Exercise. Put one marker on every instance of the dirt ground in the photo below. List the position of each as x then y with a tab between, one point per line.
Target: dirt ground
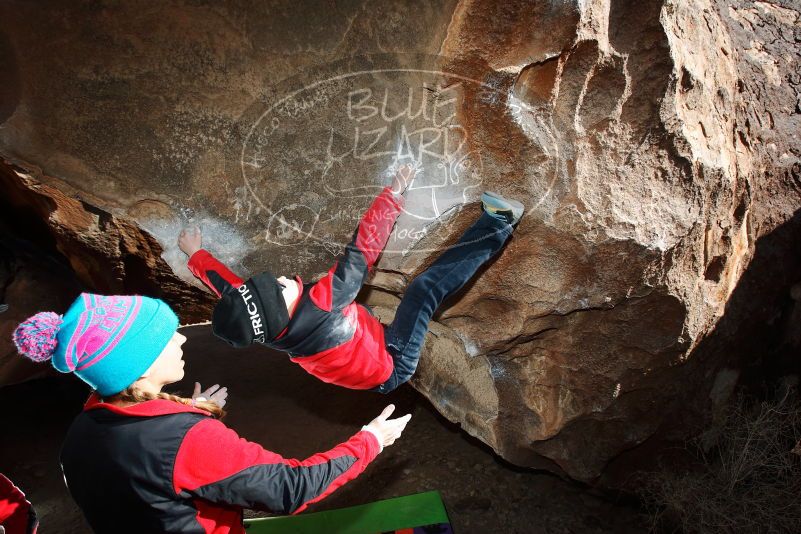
274	402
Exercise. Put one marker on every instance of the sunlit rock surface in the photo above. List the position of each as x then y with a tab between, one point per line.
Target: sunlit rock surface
654	144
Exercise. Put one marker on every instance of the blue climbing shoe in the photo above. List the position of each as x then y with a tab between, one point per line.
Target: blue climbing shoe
496	205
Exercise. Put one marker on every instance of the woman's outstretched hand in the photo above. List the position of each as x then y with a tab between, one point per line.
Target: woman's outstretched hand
190	240
215	394
385	429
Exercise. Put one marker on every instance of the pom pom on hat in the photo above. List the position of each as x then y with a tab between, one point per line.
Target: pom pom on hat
35	337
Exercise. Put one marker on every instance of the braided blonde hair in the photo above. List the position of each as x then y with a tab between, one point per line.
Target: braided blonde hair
135	396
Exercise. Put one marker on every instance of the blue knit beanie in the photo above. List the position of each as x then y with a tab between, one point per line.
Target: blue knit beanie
108	341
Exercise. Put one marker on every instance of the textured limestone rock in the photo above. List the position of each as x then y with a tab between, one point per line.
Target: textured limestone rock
654	144
656	129
55	246
31	279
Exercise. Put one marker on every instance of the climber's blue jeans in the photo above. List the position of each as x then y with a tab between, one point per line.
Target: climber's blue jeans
453	269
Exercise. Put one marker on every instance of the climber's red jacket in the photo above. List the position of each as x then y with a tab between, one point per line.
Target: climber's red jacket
328	334
162	466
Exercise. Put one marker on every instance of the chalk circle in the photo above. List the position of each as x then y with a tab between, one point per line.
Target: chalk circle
284	132
291	225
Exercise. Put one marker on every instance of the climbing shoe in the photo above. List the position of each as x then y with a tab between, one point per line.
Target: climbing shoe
496	205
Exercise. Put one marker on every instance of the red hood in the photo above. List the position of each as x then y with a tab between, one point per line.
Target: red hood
143	409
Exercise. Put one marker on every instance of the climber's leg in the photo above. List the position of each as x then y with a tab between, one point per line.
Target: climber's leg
450	272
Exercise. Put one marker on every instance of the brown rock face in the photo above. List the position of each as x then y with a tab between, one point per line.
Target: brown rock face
55	246
654	144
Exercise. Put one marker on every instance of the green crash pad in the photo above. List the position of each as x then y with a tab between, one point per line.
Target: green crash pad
408	512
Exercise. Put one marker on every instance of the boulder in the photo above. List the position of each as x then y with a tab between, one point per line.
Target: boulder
655	146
